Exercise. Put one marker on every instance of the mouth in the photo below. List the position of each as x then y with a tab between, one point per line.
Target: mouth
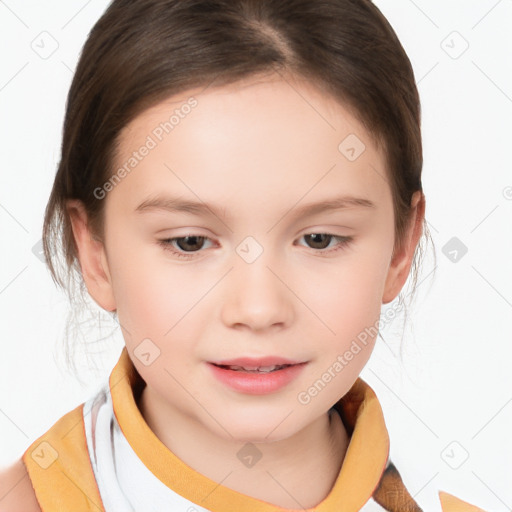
256	380
254	369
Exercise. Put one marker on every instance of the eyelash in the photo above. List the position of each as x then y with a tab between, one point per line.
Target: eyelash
344	241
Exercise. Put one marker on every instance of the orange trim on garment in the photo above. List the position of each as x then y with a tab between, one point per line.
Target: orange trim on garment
360	473
59	467
450	503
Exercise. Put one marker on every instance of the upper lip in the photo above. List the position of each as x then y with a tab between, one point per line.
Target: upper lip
256	361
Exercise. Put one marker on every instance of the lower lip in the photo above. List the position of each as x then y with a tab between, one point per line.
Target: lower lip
257	383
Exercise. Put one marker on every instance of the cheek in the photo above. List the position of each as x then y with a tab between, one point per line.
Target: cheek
347	300
152	296
353	315
346	296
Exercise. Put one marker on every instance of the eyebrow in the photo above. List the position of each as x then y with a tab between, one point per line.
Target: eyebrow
176	204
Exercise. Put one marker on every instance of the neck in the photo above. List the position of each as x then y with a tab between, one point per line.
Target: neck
296	472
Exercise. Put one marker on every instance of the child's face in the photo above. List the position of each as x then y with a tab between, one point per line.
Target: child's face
256	286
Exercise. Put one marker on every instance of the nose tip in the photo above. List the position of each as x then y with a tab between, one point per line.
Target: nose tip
255	297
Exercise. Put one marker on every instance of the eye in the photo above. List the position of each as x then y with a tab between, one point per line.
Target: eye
319	241
185	243
190	241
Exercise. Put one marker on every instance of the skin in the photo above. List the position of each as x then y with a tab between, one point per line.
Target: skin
16	491
259	149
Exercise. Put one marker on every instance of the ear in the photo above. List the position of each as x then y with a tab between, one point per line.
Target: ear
401	263
92	257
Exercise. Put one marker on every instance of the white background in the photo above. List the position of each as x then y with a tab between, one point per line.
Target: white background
451	396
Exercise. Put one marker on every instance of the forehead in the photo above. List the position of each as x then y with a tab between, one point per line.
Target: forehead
265	137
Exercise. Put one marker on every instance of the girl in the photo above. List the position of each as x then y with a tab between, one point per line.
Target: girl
240	184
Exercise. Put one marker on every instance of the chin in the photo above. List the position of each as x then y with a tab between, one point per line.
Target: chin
258	430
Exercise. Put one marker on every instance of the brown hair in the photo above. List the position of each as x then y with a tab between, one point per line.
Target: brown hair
142	52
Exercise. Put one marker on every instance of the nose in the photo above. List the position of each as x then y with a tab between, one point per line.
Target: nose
257	296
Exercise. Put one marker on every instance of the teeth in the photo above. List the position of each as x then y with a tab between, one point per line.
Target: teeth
256	369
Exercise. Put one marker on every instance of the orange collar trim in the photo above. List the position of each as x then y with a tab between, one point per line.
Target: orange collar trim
361	471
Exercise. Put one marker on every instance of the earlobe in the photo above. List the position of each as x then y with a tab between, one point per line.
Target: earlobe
401	263
92	257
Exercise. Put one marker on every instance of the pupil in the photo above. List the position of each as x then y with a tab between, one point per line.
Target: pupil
315	235
186	238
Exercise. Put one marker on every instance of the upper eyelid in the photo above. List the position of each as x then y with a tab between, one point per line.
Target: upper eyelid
307	232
